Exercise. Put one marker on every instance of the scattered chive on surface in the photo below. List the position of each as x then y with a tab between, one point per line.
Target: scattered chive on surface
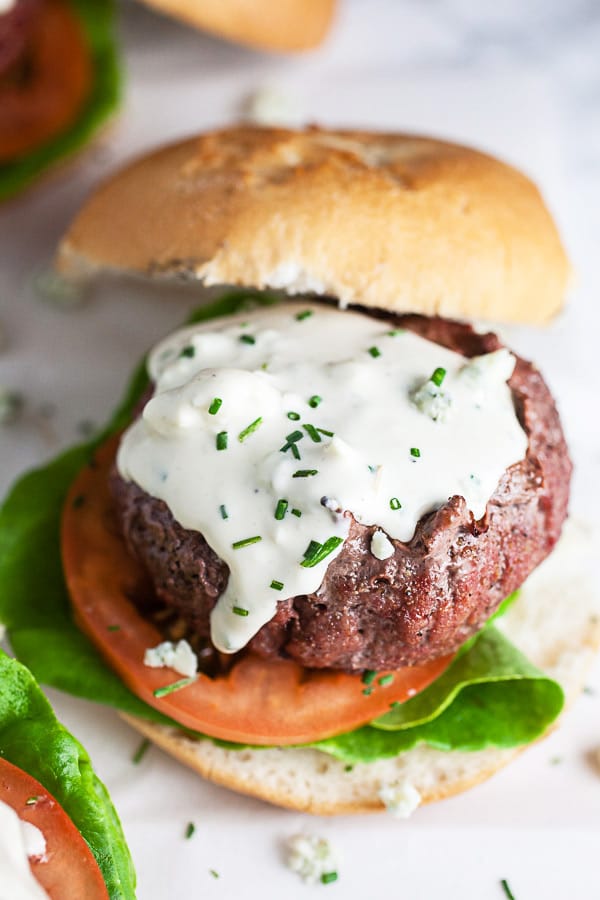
214	873
368	691
326	433
296	512
375	352
222	440
175	686
294	416
113	627
395	331
506	888
240	611
277	585
140	752
249	429
368	676
190	829
305	473
215	406
321	552
395	503
314	401
223	511
245	542
312	433
305	314
188	352
247	339
281	509
438	376
385	680
329	877
414	451
312	548
31	801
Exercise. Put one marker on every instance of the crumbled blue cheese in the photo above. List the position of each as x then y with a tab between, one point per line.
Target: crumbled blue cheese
179	657
311	857
433	401
400	798
381	546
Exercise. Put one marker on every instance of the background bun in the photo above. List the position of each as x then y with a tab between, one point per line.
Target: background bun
391	221
267	24
555	622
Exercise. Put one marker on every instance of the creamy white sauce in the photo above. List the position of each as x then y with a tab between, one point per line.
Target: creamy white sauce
18	841
388	462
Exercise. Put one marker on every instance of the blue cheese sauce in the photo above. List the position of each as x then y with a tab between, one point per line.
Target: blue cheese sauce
18	842
268	428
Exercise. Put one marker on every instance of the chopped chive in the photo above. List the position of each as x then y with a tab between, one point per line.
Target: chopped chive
277	585
301	316
237	545
395	331
395	503
175	686
438	376
312	433
305	473
247	339
329	877
314	401
223	511
312	548
215	406
368	676
222	440
385	680
294	416
297	513
249	429
372	469
507	891
395	704
326	433
295	451
281	509
113	627
189	830
324	550
375	352
348	768
294	436
31	801
368	691
240	611
78	501
414	451
140	752
290	443
214	873
188	352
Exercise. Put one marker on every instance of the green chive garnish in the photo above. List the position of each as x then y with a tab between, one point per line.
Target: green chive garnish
247	339
214	873
329	877
290	444
215	406
314	401
31	801
305	473
249	429
395	704
312	548
414	451
507	891
294	416
326	433
303	315
321	552
140	752
312	433
223	511
240	611
281	509
277	585
368	676
395	503
385	680
368	691
175	686
189	830
237	545
438	376
188	352
222	440
297	513
375	352
395	331
113	628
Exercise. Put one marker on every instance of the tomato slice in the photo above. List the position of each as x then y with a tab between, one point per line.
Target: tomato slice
68	870
259	701
41	97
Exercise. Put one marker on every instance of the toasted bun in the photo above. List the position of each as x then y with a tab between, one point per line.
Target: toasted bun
555	622
389	221
283	25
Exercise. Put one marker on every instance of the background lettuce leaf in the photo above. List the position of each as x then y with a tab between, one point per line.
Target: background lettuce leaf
490	695
32	738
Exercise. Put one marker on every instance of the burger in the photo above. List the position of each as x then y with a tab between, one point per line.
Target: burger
319	554
58	81
60	837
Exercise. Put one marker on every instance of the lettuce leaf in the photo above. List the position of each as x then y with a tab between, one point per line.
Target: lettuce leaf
97	18
33	739
490	696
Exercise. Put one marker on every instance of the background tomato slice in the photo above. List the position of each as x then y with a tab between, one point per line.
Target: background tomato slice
69	871
259	701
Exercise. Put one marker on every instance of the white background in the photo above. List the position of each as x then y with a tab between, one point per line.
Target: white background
524	84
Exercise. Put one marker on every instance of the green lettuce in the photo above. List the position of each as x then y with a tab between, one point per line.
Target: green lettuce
97	18
32	738
490	695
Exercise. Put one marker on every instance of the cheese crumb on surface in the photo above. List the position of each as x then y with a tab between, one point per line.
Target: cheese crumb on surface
179	657
312	858
34	840
400	798
381	546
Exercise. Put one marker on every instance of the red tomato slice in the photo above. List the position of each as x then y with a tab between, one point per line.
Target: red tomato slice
258	701
69	870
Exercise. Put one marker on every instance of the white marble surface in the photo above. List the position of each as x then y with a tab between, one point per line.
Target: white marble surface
520	80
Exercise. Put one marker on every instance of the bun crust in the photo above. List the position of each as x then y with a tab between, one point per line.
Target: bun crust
285	25
555	622
390	221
